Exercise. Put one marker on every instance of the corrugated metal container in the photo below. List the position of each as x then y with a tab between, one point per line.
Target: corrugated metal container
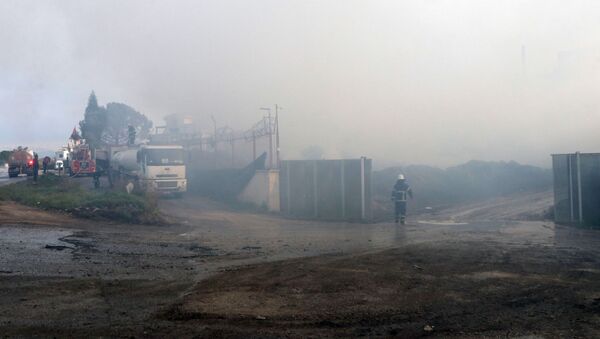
326	189
577	188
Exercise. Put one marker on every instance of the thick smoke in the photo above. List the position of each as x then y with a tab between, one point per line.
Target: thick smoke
437	82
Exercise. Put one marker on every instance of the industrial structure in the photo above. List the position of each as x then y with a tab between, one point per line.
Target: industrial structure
218	147
577	188
227	164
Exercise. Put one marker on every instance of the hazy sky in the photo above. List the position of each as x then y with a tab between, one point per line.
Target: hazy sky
430	82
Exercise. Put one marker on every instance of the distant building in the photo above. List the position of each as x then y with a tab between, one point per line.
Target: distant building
184	126
74	140
178	129
577	188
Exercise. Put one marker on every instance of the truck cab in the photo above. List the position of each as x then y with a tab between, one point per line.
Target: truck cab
60	157
162	168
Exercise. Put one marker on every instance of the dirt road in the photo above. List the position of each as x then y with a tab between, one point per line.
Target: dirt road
521	206
212	273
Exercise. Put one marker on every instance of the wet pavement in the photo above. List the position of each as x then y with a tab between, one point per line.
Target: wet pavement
110	274
207	241
5	180
267	237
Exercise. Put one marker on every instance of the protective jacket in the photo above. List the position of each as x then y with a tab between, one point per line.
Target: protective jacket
401	191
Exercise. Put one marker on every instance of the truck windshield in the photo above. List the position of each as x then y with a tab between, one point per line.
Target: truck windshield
164	157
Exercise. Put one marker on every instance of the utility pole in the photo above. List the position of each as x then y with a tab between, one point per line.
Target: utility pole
270	131
232	151
277	108
253	145
270	142
214	141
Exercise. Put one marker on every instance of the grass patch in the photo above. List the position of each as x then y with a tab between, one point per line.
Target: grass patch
66	195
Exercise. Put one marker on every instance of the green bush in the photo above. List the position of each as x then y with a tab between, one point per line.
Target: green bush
66	195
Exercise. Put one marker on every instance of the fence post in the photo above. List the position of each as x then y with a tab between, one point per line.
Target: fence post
343	187
570	168
315	188
362	188
579	195
289	205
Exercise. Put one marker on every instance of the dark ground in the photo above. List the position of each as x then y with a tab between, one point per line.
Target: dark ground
469	289
214	272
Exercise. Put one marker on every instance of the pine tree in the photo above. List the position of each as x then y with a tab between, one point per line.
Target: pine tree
92	105
94	122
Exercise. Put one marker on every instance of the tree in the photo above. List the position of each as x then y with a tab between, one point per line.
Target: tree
92	105
4	156
110	124
123	121
94	122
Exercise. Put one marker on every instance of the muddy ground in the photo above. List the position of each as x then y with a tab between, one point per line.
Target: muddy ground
412	291
215	272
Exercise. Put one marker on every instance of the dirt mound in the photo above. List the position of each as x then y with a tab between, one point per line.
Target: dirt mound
410	292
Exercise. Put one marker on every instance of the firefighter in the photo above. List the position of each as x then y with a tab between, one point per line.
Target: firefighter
36	167
98	173
131	135
67	166
45	164
399	195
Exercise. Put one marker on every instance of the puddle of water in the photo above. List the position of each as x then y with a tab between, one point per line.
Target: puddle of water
33	251
442	222
33	237
492	275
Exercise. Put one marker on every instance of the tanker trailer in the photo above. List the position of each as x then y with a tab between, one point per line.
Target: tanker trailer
155	168
20	161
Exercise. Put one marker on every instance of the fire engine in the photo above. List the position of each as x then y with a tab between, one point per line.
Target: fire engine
82	161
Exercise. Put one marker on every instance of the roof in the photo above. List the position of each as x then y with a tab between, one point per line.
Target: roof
163	146
75	135
561	154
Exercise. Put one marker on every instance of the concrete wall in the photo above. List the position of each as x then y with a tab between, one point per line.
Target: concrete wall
326	189
263	190
577	188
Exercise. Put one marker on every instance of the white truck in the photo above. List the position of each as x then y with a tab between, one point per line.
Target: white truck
156	168
60	157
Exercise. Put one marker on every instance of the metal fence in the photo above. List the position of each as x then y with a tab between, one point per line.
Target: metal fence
224	147
326	189
577	188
